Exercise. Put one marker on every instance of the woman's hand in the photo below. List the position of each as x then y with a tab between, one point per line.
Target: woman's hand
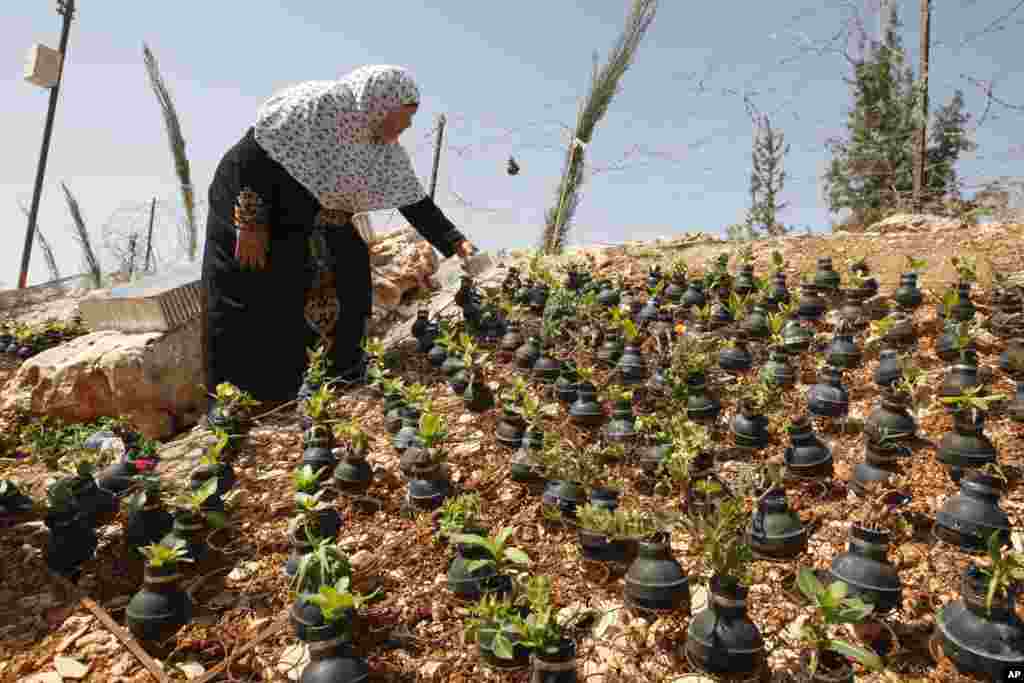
251	248
465	249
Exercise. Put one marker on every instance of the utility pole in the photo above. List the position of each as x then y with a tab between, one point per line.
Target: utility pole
441	121
67	9
922	133
149	238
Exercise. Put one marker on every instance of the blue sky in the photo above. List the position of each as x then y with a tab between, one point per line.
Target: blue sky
508	75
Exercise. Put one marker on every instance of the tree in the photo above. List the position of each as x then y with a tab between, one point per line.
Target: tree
604	84
92	264
177	144
871	169
45	247
767	178
949	139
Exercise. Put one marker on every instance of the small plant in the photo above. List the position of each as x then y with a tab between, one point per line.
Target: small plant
232	400
497	548
973	399
214	454
619	524
832	607
512	397
879	330
192	502
460	512
317	407
911	383
540	631
309	506
325	565
616	393
307	480
533	411
316	366
585	374
495	612
350	432
916	265
148	493
949	301
431	430
966	268
722	542
337	602
878	511
60	497
1005	569
563	461
161	555
738	305
778	263
415	395
678	269
776	323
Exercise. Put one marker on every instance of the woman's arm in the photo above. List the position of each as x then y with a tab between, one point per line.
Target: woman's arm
430	221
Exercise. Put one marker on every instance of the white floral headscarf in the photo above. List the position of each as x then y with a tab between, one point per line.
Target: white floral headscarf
324	134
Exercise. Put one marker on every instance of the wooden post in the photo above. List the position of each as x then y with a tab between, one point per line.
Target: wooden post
149	239
920	172
67	9
441	120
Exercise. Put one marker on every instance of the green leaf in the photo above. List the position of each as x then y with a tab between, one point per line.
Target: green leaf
809	584
502	646
470	539
517	556
854	611
503	535
836	592
867	658
474	565
216	519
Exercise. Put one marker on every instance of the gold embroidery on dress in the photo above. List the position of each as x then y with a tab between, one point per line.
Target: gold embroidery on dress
322	309
250	211
335	217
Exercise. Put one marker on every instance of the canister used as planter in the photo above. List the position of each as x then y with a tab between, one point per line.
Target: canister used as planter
161	607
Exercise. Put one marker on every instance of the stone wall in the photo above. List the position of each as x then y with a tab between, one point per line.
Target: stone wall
13	299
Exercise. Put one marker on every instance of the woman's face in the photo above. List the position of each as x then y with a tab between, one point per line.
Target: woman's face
396	122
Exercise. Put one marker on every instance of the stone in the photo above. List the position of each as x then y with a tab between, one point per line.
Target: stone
155	303
401	262
151	378
192	670
68	667
907	222
293	660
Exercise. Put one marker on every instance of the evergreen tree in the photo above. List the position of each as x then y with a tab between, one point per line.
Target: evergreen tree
767	178
872	168
949	139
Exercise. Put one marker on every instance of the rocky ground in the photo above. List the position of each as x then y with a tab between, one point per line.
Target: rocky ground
414	633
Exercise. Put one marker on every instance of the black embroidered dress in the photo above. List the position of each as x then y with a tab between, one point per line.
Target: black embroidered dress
257	330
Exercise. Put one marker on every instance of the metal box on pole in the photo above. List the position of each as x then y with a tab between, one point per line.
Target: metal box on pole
42	66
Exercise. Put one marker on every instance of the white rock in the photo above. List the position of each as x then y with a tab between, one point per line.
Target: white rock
243	571
153	379
192	669
68	667
293	660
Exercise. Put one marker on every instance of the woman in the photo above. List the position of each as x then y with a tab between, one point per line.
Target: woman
280	228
